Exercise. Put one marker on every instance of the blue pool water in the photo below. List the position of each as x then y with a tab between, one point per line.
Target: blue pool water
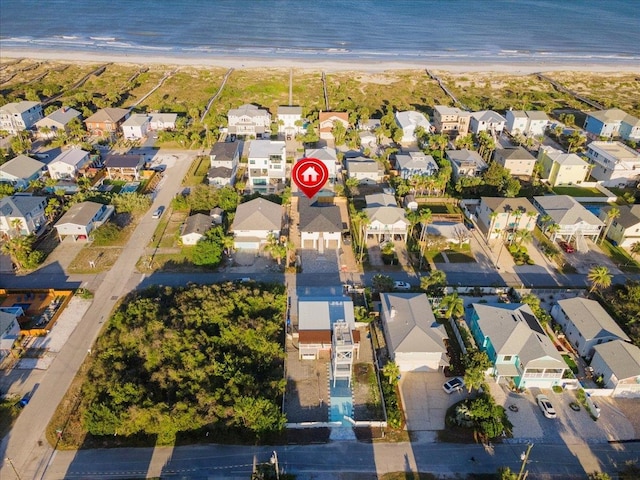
595	209
130	187
341	401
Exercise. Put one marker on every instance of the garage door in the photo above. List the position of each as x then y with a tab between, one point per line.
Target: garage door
253	246
627	391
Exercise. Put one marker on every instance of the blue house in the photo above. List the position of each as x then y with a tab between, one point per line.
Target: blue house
415	163
521	352
604	123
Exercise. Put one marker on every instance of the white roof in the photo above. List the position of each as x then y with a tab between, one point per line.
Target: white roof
71	157
265	148
320	313
412	117
136	120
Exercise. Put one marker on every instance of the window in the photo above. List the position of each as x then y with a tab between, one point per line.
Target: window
507	358
252	162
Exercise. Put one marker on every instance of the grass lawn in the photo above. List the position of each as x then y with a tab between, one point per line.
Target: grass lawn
578	191
9	411
620	257
570	363
103	257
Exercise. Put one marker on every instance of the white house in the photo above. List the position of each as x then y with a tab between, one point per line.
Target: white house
9	332
466	163
194	228
574	221
220	176
408	121
386	223
67	164
163	121
517	160
22	214
586	324
249	120
619	364
254	221
614	164
18	116
531	122
267	165
415	340
487	120
415	163
290	121
451	120
329	157
136	127
630	128
366	170
20	171
320	225
82	219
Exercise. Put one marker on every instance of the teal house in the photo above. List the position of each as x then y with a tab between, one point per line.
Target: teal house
517	345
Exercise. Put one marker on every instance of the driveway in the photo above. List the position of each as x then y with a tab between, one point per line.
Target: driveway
584	261
425	402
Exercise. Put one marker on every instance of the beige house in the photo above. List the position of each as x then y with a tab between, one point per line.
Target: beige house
511	215
326	121
560	168
517	160
624	230
451	120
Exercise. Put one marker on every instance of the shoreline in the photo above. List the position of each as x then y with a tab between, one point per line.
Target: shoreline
499	65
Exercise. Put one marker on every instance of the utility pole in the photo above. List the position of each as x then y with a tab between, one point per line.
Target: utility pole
14	468
524	456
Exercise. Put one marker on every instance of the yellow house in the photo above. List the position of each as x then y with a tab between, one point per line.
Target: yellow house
560	168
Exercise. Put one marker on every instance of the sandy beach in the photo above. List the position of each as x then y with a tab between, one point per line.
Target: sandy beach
328	65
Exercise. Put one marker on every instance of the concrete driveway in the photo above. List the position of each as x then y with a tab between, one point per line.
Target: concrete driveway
425	402
584	261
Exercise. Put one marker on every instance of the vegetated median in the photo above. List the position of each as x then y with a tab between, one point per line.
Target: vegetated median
181	365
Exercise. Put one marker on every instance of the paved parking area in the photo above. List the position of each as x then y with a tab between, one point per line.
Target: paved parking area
314	262
584	261
570	427
425	402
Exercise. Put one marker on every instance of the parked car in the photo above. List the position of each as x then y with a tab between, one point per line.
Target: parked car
545	405
158	212
24	401
454	385
566	246
401	285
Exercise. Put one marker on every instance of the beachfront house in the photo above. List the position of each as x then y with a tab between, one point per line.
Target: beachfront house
415	163
21	215
415	340
55	122
500	217
408	122
630	128
520	351
451	120
559	168
466	162
487	120
106	121
585	323
574	221
531	123
613	163
68	163
249	120
18	116
136	127
517	160
624	230
290	122
604	123
20	171
82	219
618	363
254	222
326	121
267	165
162	121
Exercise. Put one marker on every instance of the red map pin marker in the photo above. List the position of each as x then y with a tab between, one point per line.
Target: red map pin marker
310	175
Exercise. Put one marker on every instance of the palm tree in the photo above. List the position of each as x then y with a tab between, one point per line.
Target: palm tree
635	249
453	305
552	230
413	218
436	280
16	223
531	215
599	277
523	236
492	220
612	214
392	372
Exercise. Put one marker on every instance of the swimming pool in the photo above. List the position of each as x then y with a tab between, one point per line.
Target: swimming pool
595	209
130	187
341	401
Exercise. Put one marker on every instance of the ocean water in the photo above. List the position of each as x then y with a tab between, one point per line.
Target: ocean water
548	31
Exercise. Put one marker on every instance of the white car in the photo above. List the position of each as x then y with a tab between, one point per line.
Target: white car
454	385
401	286
545	405
157	213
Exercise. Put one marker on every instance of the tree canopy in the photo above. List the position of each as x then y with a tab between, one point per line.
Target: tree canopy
176	360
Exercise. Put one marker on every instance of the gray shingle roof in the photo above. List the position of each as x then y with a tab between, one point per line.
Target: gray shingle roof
22	167
622	358
565	210
80	213
515	153
197	223
324	153
386	215
224	150
629	215
362	164
62	116
23	203
289	110
510	205
413	327
590	319
315	218
607	116
258	214
380	200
